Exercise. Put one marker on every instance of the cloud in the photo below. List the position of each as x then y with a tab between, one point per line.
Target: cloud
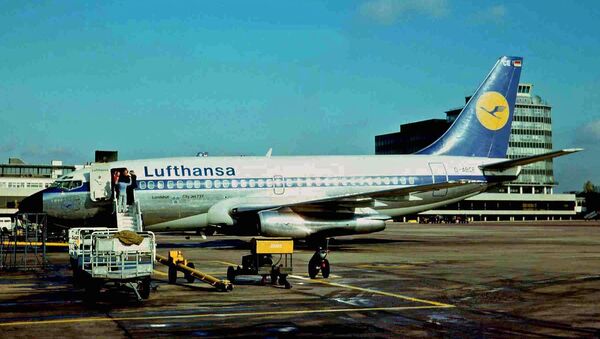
592	130
494	14
589	133
37	151
6	148
572	171
387	12
497	11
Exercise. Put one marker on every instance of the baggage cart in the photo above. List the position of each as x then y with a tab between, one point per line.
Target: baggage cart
101	256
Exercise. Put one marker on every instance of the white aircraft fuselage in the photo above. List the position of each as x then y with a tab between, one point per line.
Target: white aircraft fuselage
177	193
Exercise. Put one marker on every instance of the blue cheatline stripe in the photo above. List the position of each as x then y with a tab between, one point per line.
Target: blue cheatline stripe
83	188
293	182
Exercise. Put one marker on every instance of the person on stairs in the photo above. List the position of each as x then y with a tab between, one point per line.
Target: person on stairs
131	188
124	182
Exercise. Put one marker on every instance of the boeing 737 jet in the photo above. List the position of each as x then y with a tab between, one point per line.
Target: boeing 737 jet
306	197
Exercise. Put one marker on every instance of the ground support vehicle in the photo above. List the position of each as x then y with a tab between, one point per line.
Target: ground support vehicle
268	258
101	256
177	262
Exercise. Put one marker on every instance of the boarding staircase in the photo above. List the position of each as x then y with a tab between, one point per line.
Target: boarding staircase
130	220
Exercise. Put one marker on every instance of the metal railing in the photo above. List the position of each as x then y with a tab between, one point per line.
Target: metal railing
134	211
24	246
137	215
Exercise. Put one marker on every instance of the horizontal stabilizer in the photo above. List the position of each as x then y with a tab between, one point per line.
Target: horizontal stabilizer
503	165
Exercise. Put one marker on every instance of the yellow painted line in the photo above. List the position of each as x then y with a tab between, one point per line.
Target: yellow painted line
37	243
394	295
57	244
399	296
386	266
215	315
226	263
160	273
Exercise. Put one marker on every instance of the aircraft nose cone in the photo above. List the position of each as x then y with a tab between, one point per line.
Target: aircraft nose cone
33	203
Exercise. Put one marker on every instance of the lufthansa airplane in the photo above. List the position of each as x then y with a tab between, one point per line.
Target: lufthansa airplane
312	197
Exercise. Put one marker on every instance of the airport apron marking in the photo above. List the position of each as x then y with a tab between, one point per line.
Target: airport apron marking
216	315
431	305
37	243
224	263
166	274
399	296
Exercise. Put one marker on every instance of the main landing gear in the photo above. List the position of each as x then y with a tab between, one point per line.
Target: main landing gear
319	263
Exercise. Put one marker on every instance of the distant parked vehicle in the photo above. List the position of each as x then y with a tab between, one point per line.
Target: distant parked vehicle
6	225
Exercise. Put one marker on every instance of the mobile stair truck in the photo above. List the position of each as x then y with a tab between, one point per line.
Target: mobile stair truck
103	256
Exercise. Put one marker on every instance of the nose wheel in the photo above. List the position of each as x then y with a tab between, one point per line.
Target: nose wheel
314	267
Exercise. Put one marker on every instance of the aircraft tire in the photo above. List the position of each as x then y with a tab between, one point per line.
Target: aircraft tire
92	289
325	269
231	274
172	275
188	276
77	277
274	278
283	281
312	269
144	288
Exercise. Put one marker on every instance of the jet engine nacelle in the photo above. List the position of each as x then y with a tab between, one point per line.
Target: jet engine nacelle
288	223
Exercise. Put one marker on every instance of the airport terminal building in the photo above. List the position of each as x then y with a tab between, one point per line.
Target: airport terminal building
531	197
19	180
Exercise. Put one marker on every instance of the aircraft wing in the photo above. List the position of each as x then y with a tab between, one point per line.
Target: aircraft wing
362	199
393	192
503	165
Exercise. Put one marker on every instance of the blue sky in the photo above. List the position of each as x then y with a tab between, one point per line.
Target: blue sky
306	77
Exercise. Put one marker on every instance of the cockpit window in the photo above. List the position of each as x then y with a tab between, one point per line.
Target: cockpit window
75	184
67	184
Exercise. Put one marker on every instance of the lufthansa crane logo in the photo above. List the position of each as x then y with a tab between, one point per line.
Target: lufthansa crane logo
492	110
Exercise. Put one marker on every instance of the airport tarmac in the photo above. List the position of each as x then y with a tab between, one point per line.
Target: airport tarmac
467	280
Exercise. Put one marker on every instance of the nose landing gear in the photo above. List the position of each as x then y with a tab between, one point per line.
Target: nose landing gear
319	263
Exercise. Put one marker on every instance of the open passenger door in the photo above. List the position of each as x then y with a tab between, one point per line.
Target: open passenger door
100	182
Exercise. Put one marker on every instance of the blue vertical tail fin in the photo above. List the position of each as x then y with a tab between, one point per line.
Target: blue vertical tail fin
482	128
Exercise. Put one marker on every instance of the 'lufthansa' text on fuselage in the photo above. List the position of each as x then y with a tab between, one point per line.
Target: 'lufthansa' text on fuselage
183	171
